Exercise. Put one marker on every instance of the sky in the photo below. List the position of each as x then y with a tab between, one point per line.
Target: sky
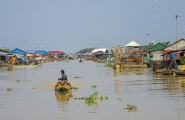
71	25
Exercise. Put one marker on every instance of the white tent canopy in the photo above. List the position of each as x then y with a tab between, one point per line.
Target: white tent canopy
99	50
132	44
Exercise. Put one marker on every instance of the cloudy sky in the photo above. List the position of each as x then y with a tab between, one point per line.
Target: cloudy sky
71	25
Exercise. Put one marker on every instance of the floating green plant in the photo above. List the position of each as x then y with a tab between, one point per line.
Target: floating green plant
101	97
18	81
109	65
77	77
94	86
33	88
28	80
106	98
9	69
70	96
75	88
131	107
119	99
9	89
23	80
138	73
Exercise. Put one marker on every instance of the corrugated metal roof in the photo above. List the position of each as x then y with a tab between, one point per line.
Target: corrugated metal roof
2	53
18	51
99	50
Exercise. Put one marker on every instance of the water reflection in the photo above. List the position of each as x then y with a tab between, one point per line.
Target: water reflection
63	96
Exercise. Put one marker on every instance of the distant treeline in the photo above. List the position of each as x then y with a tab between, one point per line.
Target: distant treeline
144	47
86	50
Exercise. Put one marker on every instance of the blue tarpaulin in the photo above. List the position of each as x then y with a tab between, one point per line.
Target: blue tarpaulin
171	56
44	52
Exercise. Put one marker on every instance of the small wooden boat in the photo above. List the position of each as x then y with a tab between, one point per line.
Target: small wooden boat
62	86
167	72
178	72
24	65
159	70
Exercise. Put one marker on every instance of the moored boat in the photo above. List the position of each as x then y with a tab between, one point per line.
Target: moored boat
167	72
62	86
159	70
179	72
24	65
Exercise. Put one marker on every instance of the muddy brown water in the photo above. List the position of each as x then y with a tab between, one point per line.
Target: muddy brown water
157	96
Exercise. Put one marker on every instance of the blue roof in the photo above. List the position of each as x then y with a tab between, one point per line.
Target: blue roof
18	51
38	51
44	52
33	51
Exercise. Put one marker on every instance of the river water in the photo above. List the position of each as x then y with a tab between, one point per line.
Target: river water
157	97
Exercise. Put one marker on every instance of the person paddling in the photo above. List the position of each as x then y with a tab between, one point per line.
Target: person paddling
64	77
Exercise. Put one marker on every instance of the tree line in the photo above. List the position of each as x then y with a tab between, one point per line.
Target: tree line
86	50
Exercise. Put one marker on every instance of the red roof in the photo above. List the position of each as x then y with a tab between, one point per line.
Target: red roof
57	52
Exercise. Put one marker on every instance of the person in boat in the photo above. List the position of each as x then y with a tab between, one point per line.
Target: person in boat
80	60
64	77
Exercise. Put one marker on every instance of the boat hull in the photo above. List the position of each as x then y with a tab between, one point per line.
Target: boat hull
178	72
159	70
62	86
167	72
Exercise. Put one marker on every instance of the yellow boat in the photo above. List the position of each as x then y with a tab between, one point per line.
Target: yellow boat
159	70
62	86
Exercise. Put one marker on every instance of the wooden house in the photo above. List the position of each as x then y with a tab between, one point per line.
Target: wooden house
174	46
156	51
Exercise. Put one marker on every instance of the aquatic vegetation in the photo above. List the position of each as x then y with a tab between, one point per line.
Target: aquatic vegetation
94	86
109	65
70	96
9	69
9	89
66	61
78	77
101	97
28	80
119	99
75	88
33	88
23	80
106	98
17	80
131	107
138	73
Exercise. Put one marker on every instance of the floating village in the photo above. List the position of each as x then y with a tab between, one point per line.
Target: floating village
161	58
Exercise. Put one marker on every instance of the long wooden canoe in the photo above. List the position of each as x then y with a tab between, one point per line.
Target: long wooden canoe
178	72
62	86
167	72
159	70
